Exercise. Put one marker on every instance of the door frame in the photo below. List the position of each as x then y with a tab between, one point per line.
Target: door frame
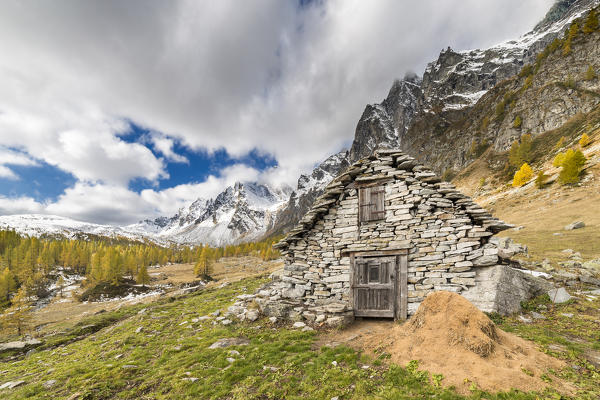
400	280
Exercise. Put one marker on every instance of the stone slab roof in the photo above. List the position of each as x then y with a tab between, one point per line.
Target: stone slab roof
387	163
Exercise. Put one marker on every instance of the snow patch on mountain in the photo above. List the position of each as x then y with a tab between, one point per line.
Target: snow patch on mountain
242	212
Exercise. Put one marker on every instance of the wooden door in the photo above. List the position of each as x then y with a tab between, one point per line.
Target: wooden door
374	286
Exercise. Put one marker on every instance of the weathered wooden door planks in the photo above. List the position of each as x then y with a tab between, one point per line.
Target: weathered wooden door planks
379	286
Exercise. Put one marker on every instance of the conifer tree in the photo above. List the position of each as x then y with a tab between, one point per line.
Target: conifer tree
143	277
571	167
7	285
523	175
591	22
17	315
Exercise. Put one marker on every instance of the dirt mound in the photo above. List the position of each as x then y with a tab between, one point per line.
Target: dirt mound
450	336
448	317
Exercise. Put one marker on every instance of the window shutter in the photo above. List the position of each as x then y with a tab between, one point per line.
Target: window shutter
371	203
364	204
377	203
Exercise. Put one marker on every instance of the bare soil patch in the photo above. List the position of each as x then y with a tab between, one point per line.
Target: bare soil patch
450	336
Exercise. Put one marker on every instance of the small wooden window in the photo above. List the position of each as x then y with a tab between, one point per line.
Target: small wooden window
371	203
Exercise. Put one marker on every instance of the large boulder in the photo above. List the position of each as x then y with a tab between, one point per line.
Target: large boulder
501	289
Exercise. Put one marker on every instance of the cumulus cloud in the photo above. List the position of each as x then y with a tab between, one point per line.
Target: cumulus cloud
115	204
11	157
164	145
287	80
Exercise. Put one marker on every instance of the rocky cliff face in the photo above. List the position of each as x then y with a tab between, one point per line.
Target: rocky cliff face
438	118
447	106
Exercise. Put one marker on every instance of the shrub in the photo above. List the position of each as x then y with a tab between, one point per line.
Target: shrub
523	175
478	148
448	175
540	180
517	122
526	70
520	152
482	182
560	143
591	22
570	82
572	163
585	140
528	82
569	36
485	122
590	74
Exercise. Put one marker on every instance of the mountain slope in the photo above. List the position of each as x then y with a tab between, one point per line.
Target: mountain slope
242	212
427	117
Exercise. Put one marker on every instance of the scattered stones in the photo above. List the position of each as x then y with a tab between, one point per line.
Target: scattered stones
118	356
230	359
307	329
568	315
299	324
216	313
226	342
525	320
575	225
204	318
190	379
129	366
537	315
49	384
226	322
11	384
252	315
559	295
234	353
273	319
334	363
272	369
138	329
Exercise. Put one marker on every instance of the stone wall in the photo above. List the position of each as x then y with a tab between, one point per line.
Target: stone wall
445	233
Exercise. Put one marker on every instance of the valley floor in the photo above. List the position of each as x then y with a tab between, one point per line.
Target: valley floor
166	350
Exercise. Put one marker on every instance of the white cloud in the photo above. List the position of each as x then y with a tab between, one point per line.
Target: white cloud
225	74
20	205
115	204
164	145
11	157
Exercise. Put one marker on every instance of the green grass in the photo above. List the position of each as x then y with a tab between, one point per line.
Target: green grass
279	363
568	338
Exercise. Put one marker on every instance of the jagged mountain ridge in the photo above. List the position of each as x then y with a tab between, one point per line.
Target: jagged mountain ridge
418	112
242	212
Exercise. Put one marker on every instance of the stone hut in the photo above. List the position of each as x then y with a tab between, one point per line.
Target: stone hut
383	235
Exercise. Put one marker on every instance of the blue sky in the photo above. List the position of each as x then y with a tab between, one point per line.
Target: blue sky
113	112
